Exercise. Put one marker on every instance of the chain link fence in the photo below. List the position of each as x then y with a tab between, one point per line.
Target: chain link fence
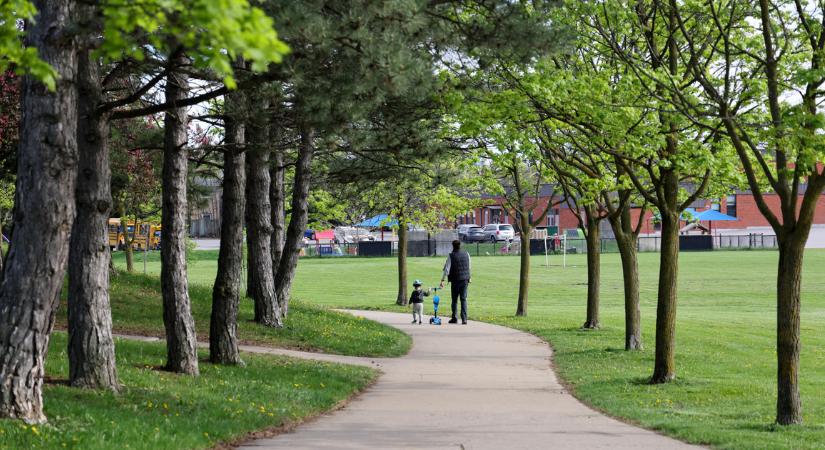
422	244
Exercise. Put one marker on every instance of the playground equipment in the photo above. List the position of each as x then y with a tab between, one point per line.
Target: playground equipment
435	320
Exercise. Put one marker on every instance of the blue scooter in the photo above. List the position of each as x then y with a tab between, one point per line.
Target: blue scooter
435	320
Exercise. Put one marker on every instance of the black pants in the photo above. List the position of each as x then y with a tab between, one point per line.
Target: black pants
459	288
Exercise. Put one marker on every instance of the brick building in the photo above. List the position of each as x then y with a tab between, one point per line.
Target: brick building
741	205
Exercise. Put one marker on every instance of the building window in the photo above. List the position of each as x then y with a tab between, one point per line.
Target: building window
495	216
553	218
731	205
716	206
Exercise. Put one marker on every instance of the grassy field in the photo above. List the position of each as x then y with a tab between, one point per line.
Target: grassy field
136	309
725	391
160	410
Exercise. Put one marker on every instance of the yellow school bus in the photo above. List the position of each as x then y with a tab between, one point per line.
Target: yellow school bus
147	233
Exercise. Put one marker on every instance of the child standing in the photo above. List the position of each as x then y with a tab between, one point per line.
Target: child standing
417	301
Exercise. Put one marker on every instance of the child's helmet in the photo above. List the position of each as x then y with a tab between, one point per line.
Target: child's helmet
417	283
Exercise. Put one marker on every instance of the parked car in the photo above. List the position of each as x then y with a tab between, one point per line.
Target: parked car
475	234
464	228
495	232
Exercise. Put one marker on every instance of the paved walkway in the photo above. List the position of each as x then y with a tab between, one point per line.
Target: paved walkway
478	386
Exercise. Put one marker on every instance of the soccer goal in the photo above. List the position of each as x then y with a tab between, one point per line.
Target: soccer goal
560	243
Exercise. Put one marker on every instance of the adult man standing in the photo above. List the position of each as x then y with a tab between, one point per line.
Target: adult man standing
457	272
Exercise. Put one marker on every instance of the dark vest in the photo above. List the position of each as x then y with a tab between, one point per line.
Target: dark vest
417	297
459	266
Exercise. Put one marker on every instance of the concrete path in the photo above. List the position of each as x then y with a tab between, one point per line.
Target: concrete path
207	243
478	386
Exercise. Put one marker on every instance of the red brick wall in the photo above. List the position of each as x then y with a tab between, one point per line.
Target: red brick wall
746	211
749	215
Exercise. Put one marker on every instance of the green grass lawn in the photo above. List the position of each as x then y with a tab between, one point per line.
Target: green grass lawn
161	410
725	391
137	309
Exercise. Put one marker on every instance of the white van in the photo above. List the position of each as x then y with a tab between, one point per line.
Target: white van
495	232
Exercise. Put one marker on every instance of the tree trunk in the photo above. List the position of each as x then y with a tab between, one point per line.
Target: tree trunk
524	269
402	264
43	215
664	369
181	344
127	248
112	269
250	281
277	198
297	221
223	324
789	278
626	241
594	251
2	254
91	347
259	233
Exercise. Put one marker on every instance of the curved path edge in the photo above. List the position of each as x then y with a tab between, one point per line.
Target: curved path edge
479	386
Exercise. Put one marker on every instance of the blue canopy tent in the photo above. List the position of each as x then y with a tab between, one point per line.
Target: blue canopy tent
380	220
712	215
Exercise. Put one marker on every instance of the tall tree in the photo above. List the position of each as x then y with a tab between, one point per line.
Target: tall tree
758	71
277	199
678	167
181	342
234	30
586	111
522	178
590	216
498	119
335	83
261	284
223	324
298	218
598	187
48	151
47	170
91	346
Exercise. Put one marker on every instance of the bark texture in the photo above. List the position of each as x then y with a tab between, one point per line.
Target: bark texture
2	256
594	252
259	233
664	368
43	216
297	221
626	240
91	347
181	344
223	324
128	251
277	197
524	271
403	240
788	282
